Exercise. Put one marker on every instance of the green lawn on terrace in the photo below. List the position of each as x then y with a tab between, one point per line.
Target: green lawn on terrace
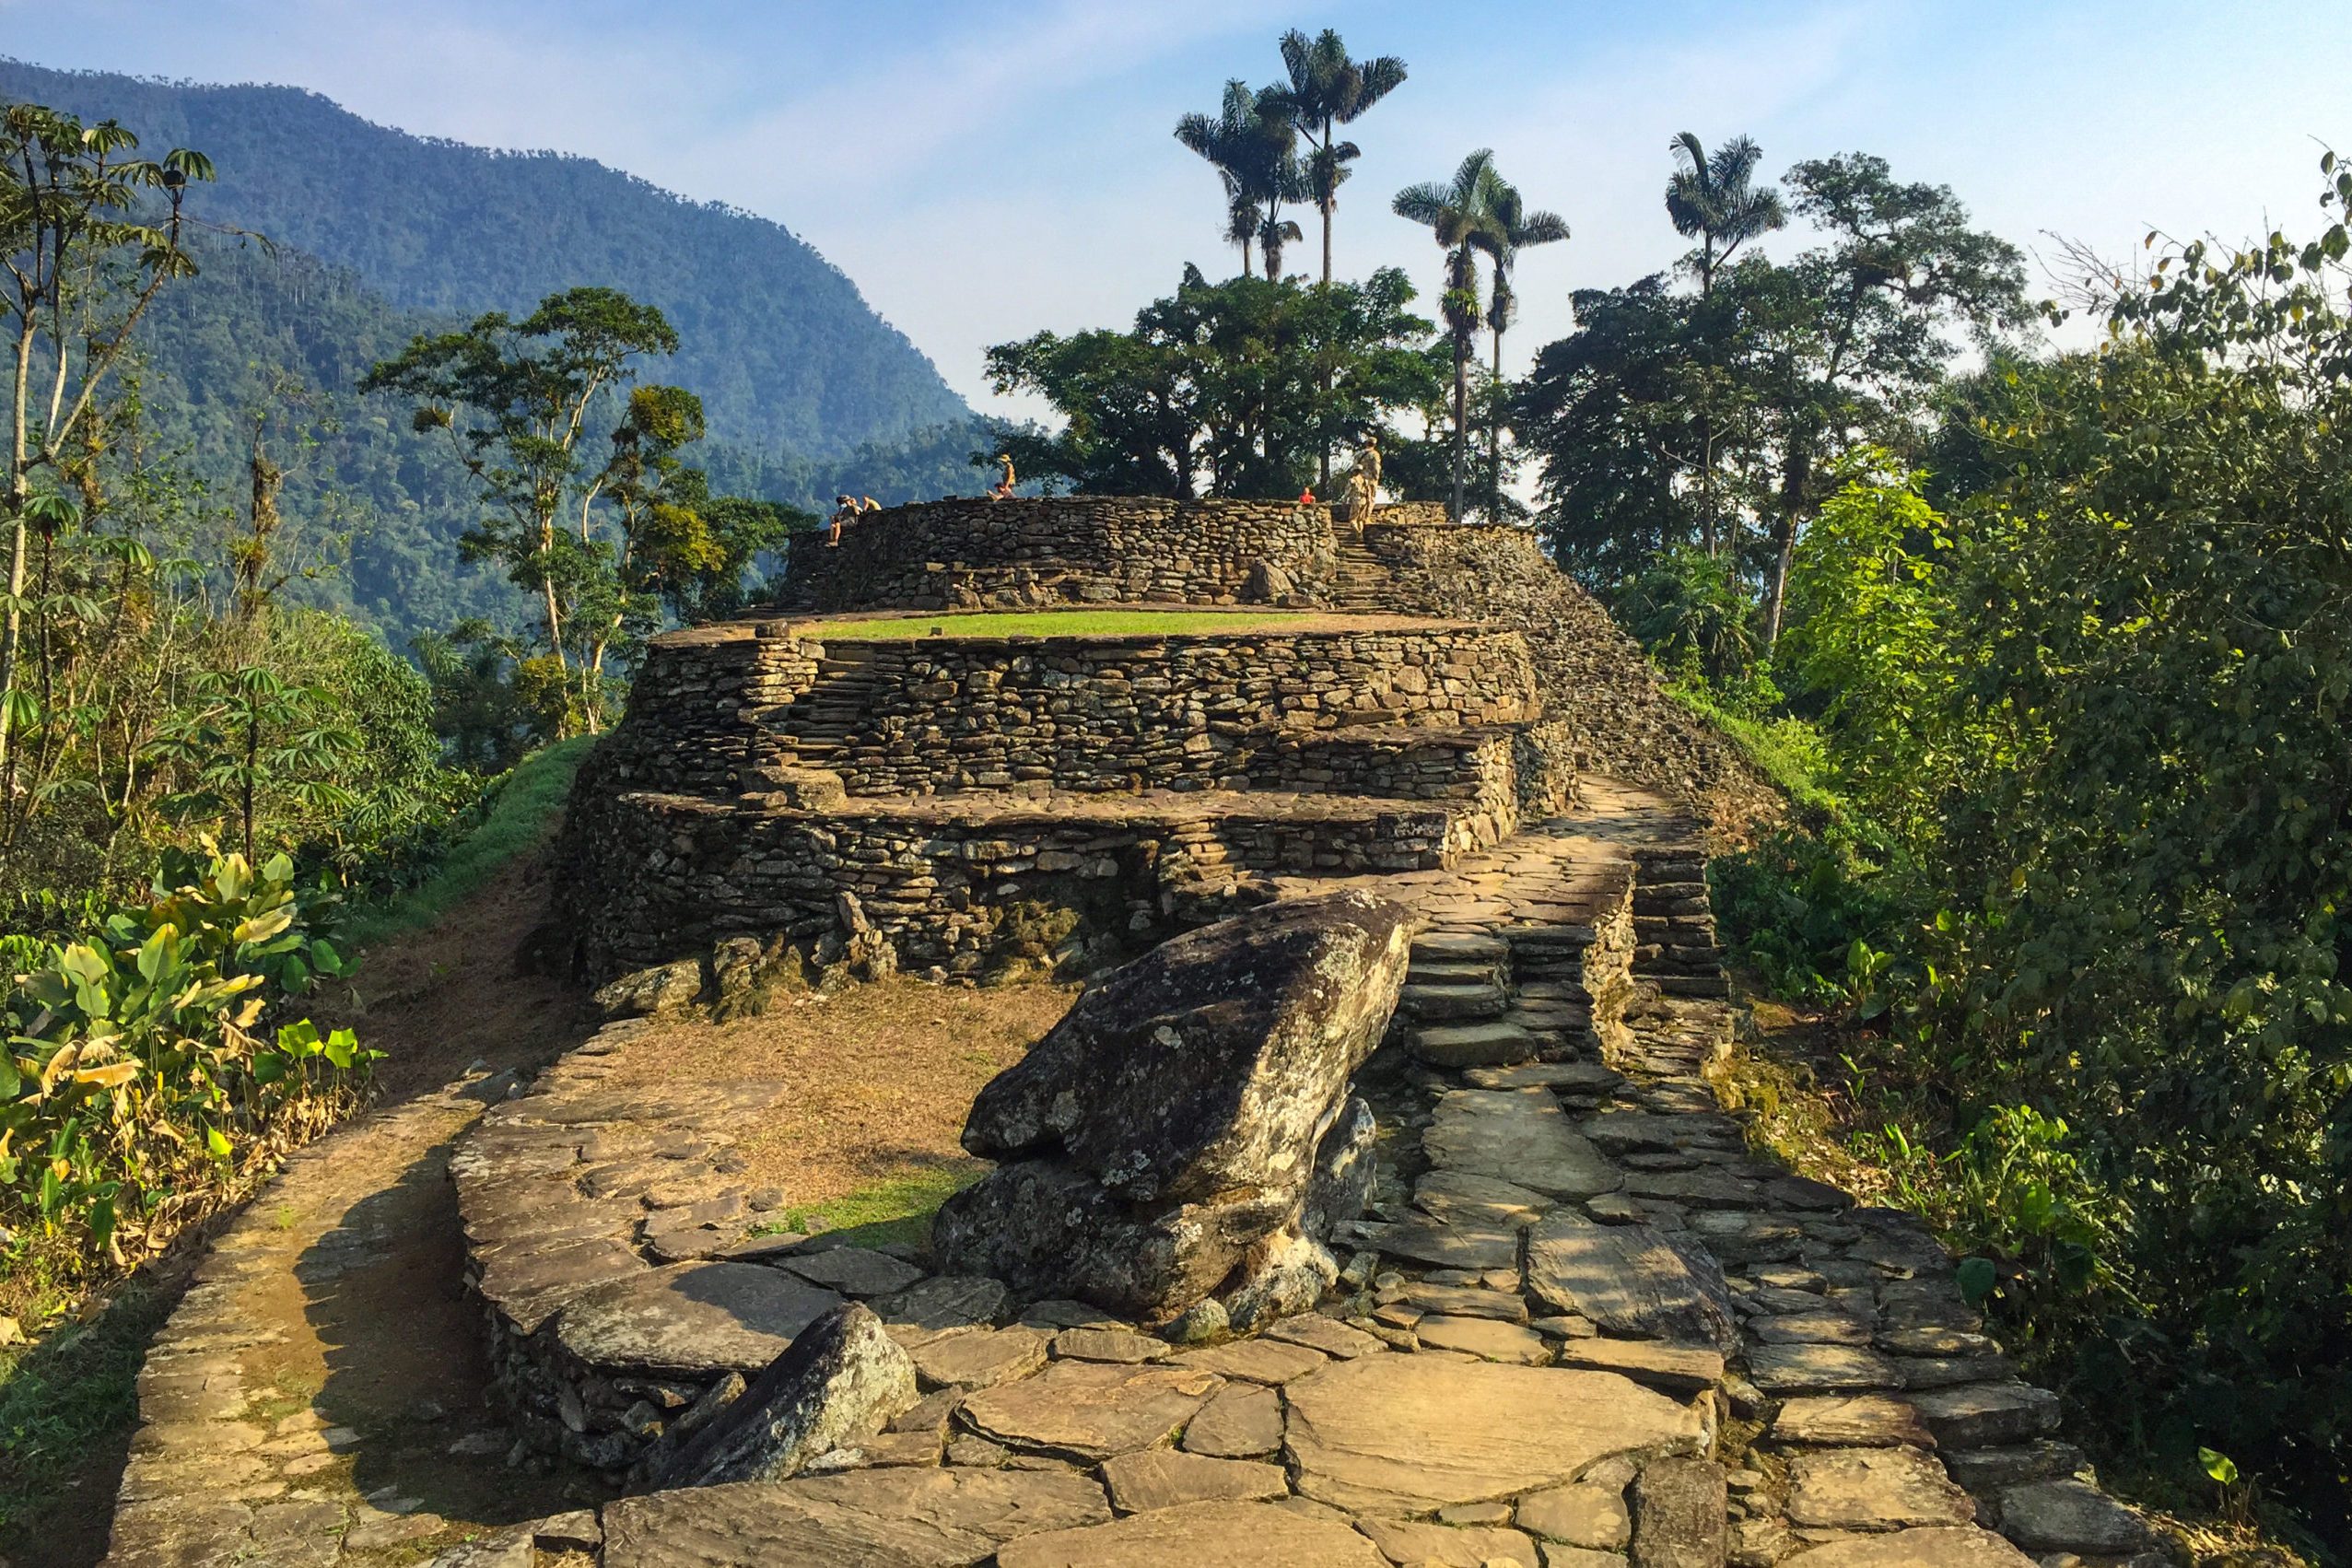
1055	623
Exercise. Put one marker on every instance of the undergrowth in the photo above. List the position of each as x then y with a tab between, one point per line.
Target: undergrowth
514	814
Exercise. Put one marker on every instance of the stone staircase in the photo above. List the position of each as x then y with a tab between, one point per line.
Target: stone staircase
814	727
1360	584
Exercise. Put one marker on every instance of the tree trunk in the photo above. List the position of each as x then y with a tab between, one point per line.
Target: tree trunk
1494	437
1461	417
1797	475
1326	242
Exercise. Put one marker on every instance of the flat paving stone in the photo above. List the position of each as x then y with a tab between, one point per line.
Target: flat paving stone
1241	1421
1460	1198
1466	1301
1590	1517
1516	1135
1820	1369
1485	1337
1485	1043
1089	1411
1163	1478
1682	1369
2068	1515
1562	1077
1930	1547
945	1301
1402	1434
979	1358
1874	1489
1419	1543
1444	1245
1254	1361
1329	1335
900	1516
691	1320
1851	1421
853	1271
1810	1329
1983	1415
1631	1280
1232	1534
1109	1344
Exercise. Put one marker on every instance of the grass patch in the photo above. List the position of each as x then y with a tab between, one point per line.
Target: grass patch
527	800
67	1402
898	1210
1055	623
1789	751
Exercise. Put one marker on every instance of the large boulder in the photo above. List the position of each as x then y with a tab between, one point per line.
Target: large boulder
1173	1118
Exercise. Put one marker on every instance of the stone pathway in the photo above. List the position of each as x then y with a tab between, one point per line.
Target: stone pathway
1581	1327
317	1396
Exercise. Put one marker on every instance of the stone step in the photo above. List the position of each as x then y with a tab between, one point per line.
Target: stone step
1715	987
1446	1003
1549	941
1453	973
1473	1045
1444	946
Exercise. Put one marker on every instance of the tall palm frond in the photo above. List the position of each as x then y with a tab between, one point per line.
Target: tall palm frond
1510	229
1712	198
1459	214
1327	89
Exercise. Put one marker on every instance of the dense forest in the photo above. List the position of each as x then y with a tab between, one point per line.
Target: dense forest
2046	649
325	246
775	341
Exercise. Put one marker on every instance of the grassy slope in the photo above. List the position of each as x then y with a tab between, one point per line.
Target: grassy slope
525	807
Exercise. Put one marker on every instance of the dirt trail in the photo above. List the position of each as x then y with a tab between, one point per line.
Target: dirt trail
318	1395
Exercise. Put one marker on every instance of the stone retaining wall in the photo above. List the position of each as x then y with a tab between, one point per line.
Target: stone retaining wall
690	722
1594	677
1142	712
655	877
1079	549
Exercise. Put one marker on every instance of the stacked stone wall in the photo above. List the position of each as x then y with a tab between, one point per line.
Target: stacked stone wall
692	716
1080	549
1596	679
655	877
1136	713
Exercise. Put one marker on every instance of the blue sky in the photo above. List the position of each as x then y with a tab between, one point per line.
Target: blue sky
983	170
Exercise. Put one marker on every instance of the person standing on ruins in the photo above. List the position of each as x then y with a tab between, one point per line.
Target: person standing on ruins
1002	489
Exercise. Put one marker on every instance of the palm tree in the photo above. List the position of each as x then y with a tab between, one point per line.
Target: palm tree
1514	230
1272	235
1326	90
1225	140
1254	147
1460	215
1711	200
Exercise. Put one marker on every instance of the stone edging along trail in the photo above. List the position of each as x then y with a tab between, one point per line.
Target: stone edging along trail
1582	1325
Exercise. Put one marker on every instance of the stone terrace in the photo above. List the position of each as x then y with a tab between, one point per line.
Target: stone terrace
1581	1322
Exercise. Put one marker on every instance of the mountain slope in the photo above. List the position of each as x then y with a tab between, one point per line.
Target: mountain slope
778	342
268	328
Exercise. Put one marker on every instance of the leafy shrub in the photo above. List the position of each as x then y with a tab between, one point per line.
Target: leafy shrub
1810	914
146	1066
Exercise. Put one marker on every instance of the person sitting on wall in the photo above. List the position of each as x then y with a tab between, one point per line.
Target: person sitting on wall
1306	497
1002	489
848	508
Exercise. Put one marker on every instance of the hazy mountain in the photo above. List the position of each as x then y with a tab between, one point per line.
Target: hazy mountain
778	342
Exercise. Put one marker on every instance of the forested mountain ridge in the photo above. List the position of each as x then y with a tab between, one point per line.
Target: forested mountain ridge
777	341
